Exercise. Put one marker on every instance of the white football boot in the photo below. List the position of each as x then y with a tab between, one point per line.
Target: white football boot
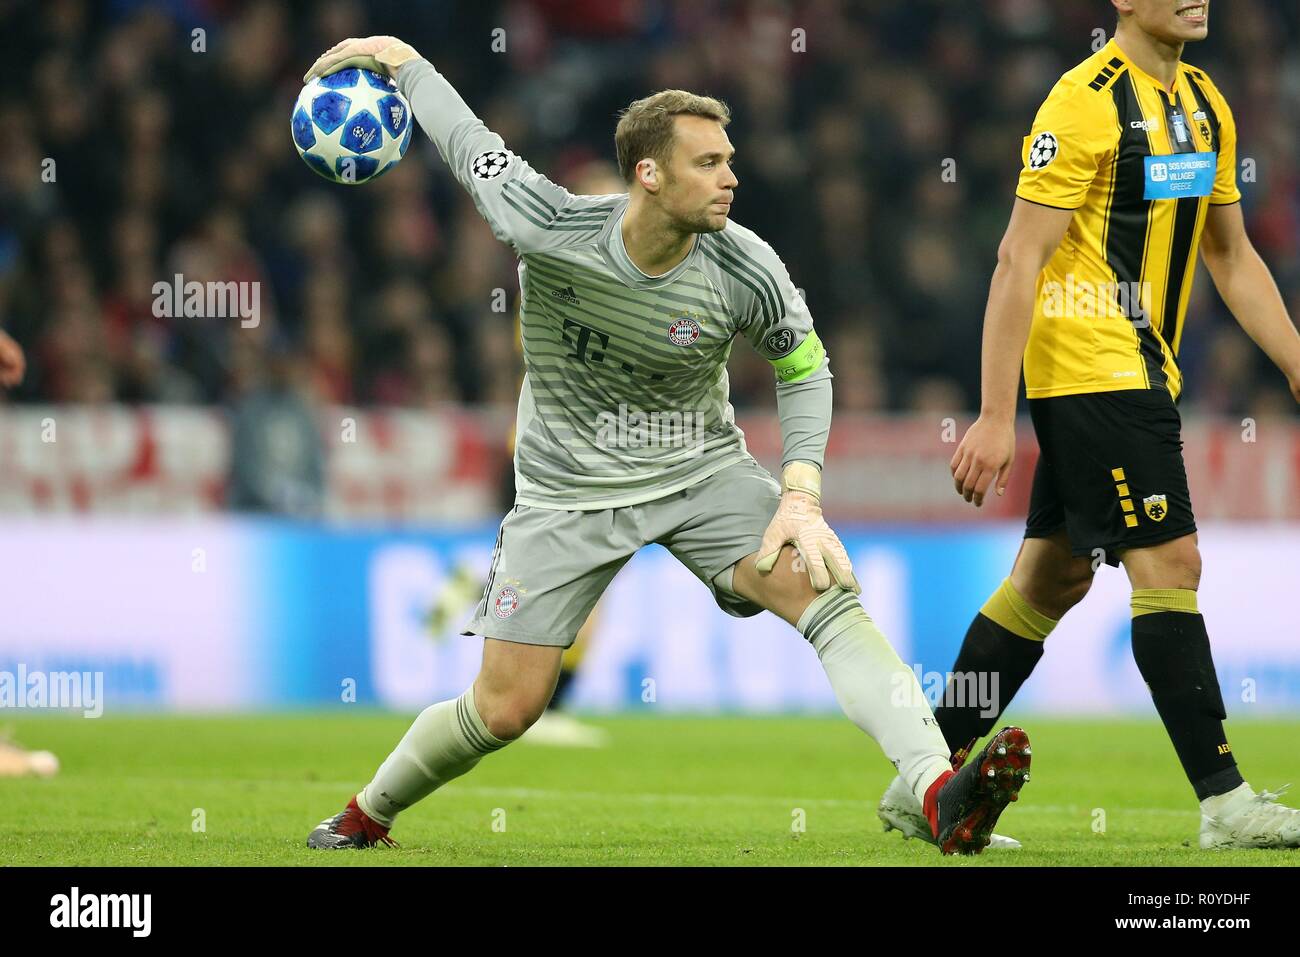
1243	819
901	811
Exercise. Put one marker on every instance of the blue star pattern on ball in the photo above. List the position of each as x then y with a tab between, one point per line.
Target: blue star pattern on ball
351	126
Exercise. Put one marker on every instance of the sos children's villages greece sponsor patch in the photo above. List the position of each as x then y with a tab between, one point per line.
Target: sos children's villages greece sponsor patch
1180	176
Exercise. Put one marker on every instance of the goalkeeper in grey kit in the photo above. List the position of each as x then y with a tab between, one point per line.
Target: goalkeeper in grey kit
630	306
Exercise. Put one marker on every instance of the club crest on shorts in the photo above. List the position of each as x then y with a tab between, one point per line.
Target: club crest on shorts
683	331
1156	507
506	603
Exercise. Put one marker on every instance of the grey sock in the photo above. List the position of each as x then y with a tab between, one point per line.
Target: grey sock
445	741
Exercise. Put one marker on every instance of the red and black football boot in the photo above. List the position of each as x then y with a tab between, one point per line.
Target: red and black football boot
962	806
351	827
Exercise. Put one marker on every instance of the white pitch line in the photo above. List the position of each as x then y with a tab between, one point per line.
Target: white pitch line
651	798
645	798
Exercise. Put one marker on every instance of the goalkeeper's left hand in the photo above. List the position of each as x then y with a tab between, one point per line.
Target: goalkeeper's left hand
380	54
798	519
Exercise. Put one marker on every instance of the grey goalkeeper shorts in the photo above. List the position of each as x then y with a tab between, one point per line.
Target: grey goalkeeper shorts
550	566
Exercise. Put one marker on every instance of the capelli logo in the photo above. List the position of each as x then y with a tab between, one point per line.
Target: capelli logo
102	910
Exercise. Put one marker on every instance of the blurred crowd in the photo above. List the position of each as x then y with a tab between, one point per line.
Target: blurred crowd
152	138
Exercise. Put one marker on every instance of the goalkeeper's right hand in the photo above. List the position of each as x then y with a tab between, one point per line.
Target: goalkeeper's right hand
380	54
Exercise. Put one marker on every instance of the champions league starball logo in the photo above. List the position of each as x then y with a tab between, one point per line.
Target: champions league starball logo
1043	150
491	164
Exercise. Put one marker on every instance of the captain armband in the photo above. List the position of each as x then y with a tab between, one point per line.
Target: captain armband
801	362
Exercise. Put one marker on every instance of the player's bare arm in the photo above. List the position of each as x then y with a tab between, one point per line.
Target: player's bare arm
1248	288
989	446
12	362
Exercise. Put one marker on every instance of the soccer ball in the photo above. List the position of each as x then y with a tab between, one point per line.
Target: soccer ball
351	126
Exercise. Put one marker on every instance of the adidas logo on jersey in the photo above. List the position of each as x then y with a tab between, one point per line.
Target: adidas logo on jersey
566	295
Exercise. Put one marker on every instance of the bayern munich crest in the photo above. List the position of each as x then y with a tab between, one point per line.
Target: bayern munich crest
683	331
506	603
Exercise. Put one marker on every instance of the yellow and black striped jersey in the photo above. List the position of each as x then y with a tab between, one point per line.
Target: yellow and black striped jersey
1139	164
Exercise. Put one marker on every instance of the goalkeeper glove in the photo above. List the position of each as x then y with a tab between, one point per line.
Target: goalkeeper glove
798	519
380	54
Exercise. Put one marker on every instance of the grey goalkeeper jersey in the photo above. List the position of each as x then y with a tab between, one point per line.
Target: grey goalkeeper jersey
625	393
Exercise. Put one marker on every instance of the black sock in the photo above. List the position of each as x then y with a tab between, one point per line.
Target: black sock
988	649
1172	651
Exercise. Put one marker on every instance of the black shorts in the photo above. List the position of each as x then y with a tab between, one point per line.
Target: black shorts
1110	472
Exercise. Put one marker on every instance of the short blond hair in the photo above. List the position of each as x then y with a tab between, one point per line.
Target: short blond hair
646	127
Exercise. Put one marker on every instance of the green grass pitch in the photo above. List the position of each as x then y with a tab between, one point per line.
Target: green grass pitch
669	791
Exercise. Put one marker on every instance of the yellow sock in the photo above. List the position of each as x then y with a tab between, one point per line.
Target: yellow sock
1008	608
1150	601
